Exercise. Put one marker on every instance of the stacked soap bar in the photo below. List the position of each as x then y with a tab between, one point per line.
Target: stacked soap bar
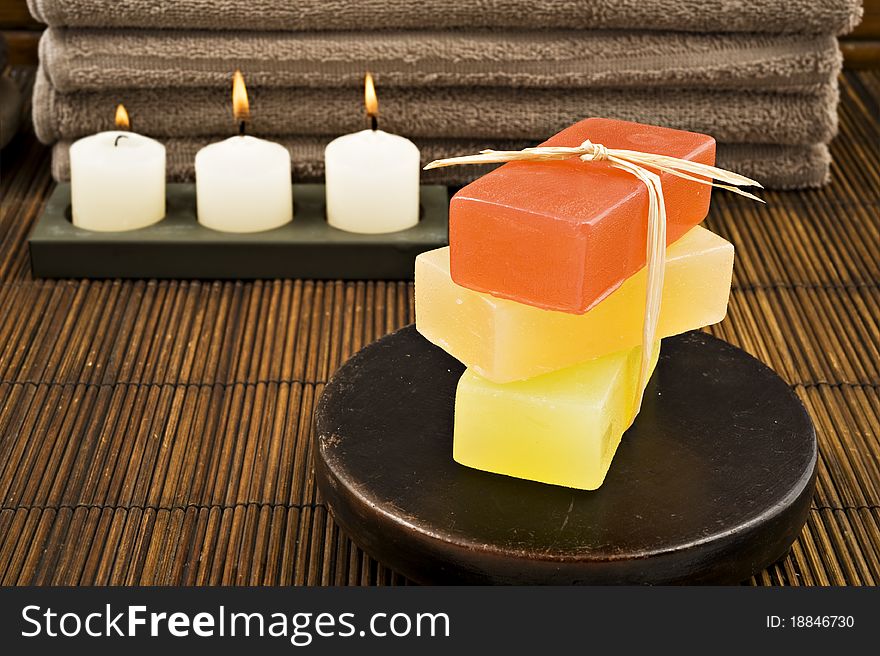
506	341
541	294
560	428
562	235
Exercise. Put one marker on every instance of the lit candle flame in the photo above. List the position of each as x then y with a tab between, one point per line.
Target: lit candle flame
122	121
240	106
370	99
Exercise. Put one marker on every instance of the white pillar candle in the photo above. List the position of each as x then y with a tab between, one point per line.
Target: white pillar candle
372	177
117	181
372	180
243	185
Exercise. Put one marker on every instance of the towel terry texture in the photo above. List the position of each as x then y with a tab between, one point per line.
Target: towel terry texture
779	167
456	76
769	16
94	60
449	112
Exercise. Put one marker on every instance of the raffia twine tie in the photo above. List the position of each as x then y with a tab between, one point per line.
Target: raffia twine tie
635	163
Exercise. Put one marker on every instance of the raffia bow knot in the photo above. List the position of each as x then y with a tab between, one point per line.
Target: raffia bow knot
633	162
594	152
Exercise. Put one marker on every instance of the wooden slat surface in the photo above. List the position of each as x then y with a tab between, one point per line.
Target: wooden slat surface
159	432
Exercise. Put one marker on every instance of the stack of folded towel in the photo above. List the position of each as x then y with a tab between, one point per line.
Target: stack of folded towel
456	76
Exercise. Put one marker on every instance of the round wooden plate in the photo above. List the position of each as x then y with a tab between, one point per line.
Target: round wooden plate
711	484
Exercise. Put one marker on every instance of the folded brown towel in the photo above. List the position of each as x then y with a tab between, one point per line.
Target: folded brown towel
800	16
489	113
94	60
777	167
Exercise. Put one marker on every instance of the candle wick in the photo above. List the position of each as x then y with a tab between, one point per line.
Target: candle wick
241	128
374	122
118	137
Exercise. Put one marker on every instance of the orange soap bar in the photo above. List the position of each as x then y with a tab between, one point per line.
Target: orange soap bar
562	235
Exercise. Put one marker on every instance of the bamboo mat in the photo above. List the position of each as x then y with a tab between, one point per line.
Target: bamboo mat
159	432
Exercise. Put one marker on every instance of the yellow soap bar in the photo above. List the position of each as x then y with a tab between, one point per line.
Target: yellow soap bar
505	341
561	428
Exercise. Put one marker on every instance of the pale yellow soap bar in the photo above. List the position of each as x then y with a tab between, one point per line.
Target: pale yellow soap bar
561	428
506	341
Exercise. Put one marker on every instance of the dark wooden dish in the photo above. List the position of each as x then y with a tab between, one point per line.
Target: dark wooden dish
711	484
